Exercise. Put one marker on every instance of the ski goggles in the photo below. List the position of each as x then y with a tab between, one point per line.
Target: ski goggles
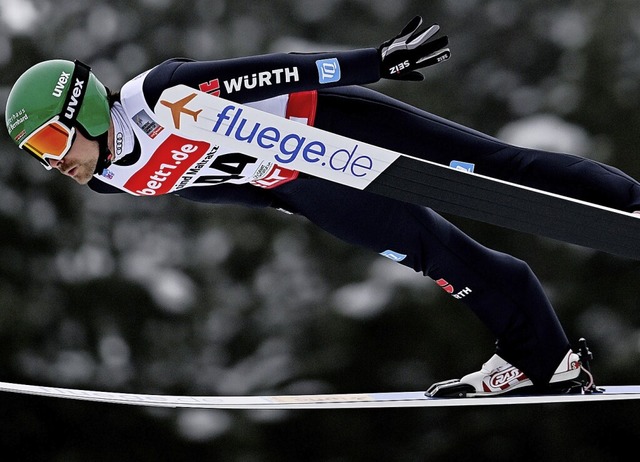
52	140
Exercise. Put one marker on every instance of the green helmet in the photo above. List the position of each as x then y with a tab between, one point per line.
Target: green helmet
51	88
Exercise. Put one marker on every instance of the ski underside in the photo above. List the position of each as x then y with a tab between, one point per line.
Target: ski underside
322	401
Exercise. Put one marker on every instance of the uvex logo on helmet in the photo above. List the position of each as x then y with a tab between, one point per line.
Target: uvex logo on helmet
74	100
62	81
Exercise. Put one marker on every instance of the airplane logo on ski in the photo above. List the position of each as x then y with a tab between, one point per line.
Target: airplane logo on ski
179	108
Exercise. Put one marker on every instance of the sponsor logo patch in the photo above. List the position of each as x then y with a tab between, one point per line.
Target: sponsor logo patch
74	101
287	146
459	165
167	165
251	81
448	288
261	79
328	70
212	87
147	124
270	175
62	81
504	378
395	256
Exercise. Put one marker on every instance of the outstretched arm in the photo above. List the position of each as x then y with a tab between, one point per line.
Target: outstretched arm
260	77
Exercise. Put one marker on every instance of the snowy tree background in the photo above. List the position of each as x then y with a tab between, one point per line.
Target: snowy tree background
165	296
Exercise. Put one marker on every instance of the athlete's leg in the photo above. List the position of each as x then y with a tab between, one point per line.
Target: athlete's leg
369	116
501	290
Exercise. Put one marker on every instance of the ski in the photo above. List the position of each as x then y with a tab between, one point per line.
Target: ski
262	141
511	206
320	401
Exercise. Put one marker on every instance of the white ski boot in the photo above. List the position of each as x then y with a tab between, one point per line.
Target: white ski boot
498	377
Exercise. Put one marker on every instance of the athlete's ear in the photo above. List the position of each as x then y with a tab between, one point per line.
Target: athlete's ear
411	50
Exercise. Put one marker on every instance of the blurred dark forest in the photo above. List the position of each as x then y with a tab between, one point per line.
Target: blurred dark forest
166	296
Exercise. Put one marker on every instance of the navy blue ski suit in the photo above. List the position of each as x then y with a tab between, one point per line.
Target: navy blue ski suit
500	289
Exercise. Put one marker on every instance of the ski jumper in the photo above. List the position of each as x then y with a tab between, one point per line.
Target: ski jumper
500	289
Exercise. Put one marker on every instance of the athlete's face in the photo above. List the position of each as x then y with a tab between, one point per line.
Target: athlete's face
81	160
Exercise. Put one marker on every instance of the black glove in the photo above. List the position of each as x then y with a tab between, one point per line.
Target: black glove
408	51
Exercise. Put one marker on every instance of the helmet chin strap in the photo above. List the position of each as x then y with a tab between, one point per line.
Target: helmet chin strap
104	154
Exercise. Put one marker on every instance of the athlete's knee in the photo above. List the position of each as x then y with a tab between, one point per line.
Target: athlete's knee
519	274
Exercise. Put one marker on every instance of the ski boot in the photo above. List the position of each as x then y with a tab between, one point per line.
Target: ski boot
498	377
